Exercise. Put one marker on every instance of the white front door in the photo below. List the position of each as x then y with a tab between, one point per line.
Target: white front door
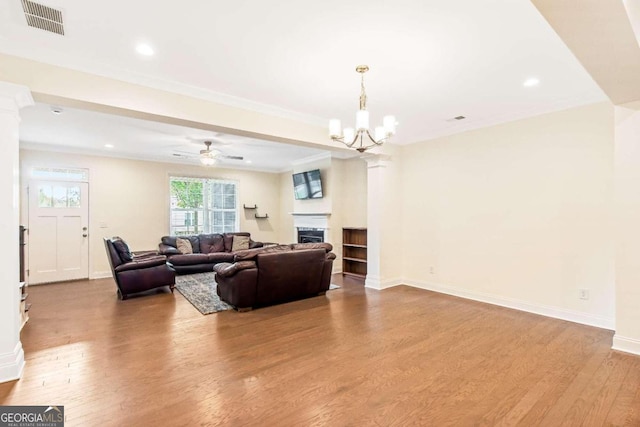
58	231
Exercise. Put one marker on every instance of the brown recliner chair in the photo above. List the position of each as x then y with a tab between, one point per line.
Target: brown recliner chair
275	274
137	271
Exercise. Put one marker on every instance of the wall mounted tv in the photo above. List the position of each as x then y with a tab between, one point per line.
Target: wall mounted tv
307	185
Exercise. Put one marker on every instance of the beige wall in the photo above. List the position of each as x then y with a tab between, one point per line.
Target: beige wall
352	186
344	187
517	214
285	233
132	198
627	220
325	204
393	218
348	185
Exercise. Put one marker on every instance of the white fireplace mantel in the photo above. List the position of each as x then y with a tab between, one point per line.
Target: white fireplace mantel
319	220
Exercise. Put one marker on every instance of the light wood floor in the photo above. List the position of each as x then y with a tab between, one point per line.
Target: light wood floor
401	356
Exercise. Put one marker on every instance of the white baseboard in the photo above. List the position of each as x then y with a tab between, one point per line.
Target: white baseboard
374	282
628	345
390	283
544	310
12	364
100	275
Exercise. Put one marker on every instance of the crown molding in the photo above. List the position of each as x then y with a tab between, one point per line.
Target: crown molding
104	70
115	155
314	158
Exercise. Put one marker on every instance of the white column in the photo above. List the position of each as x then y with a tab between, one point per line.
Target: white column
384	219
376	170
12	98
627	227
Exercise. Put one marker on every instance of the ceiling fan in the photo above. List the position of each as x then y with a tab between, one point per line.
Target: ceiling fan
209	156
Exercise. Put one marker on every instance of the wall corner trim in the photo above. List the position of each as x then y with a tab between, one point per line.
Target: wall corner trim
12	364
375	282
625	344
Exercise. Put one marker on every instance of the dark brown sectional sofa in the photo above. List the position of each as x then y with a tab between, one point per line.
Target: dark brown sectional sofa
275	274
208	250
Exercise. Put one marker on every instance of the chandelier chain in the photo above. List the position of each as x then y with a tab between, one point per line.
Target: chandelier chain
363	94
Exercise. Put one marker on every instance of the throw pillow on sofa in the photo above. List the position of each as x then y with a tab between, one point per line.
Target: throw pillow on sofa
184	246
240	243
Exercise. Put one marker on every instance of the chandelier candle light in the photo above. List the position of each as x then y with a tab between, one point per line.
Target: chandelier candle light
361	134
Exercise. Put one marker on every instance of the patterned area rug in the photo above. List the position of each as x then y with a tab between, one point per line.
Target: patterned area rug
200	290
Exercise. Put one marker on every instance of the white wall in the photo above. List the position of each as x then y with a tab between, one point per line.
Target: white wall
132	198
517	214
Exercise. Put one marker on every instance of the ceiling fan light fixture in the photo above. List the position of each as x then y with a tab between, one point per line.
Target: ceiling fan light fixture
144	49
207	160
209	157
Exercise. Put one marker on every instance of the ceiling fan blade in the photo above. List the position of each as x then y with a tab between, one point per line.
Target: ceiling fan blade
183	156
184	153
232	157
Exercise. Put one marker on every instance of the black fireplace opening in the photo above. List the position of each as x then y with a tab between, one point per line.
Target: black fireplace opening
310	235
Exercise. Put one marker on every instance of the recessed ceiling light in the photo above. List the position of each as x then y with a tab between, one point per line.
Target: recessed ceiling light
247	161
108	145
144	49
531	82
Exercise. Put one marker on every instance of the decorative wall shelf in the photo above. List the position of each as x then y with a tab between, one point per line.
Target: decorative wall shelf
250	207
261	216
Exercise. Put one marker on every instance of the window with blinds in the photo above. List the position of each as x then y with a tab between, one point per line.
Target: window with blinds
200	205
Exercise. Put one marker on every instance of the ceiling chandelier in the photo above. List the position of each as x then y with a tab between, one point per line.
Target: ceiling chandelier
360	138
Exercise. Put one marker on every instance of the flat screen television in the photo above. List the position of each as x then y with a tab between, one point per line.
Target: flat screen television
307	185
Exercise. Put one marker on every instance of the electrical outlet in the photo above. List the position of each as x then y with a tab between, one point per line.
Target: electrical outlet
584	293
432	270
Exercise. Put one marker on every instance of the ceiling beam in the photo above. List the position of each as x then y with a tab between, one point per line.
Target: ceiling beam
600	35
77	89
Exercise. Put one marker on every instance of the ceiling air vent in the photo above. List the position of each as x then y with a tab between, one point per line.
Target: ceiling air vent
456	118
43	17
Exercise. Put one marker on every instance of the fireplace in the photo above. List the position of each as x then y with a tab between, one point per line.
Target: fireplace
311	227
310	235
